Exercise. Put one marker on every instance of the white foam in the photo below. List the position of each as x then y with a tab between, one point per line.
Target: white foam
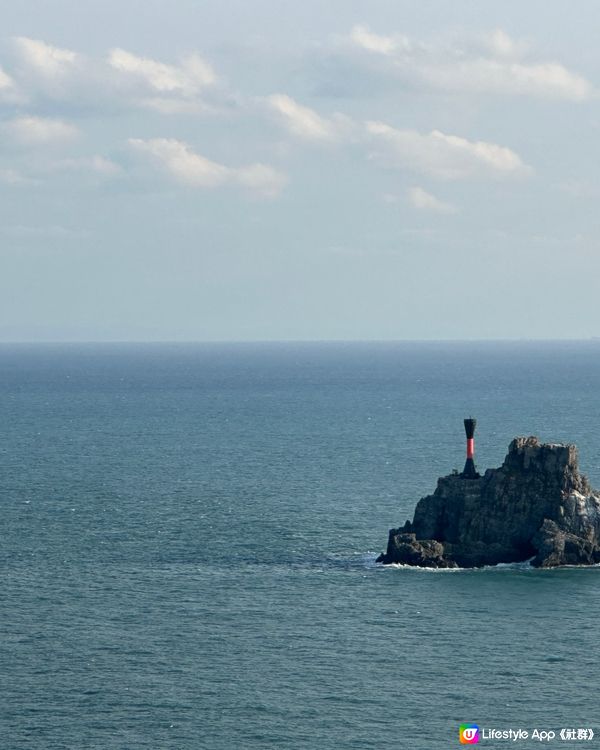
526	565
523	566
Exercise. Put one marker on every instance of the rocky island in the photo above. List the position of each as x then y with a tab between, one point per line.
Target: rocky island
536	506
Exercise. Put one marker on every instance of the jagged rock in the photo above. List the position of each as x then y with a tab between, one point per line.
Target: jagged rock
535	506
425	554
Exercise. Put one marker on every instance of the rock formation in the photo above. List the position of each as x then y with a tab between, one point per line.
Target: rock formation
535	506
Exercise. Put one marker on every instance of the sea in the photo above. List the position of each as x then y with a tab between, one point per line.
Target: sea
189	533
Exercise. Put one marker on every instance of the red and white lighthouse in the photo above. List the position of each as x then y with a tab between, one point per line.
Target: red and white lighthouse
470	472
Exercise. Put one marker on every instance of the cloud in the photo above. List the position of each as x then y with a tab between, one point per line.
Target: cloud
9	91
99	165
44	73
500	44
40	130
480	76
120	81
187	79
307	124
424	201
14	177
382	45
41	169
490	64
45	59
183	163
188	88
44	56
447	157
6	82
192	169
260	178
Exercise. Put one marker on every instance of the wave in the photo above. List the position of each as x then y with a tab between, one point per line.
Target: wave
520	566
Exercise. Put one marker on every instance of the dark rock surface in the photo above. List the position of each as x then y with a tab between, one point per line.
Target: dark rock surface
535	506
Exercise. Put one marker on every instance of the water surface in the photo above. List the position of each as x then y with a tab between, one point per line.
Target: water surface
189	535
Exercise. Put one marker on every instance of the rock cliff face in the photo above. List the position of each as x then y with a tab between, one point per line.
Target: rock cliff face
535	506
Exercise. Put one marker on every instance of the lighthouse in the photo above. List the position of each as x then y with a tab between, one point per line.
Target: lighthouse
470	472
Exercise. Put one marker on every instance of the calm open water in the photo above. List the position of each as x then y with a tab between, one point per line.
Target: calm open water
188	541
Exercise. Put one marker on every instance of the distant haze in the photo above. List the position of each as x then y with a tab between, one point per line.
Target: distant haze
265	170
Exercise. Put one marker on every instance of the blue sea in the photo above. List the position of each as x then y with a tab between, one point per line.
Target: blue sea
189	534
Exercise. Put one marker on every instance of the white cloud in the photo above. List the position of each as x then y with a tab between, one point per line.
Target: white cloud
183	163
192	169
9	91
121	80
448	157
500	44
491	65
6	82
305	123
483	76
187	88
47	60
14	177
421	199
383	45
40	130
41	70
97	164
41	168
186	79
260	178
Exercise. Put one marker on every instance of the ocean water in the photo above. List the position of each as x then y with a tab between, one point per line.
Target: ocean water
188	540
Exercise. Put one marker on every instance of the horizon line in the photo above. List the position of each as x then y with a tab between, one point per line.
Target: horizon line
524	340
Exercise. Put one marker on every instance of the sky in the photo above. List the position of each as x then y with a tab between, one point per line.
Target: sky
239	170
